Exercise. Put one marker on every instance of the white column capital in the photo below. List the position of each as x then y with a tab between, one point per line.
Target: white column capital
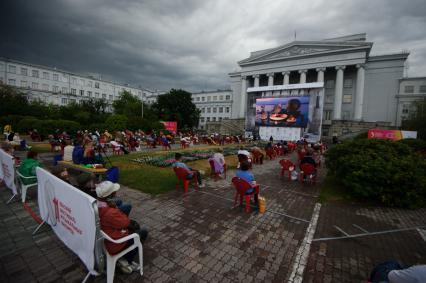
270	74
256	76
340	67
286	73
360	66
303	71
322	69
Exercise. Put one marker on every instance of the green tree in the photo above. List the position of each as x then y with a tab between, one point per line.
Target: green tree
127	105
116	122
416	121
12	101
176	105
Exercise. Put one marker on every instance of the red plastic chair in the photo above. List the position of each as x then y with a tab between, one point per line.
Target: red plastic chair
270	153
308	170
257	157
286	165
181	175
241	186
213	172
300	155
116	150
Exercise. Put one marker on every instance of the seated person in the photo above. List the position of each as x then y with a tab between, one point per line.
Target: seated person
28	167
191	172
86	183
68	150
245	174
308	158
165	142
243	155
257	154
117	143
219	161
61	172
413	274
106	187
117	225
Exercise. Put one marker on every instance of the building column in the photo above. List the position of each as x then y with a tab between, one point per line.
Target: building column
359	95
243	102
256	80
286	75
270	79
320	75
338	93
302	76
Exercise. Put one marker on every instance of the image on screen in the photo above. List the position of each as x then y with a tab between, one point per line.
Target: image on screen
291	111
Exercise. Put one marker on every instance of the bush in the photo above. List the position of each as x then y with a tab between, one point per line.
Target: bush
116	122
415	144
380	170
12	120
26	124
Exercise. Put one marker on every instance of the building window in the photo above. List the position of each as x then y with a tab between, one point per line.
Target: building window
12	82
329	84
89	94
110	97
203	110
24	83
220	109
81	92
203	99
346	115
348	83
198	99
214	110
73	81
409	89
208	110
34	73
45	75
208	119
422	88
96	85
24	71
64	90
208	98
45	87
34	85
1	79
214	119
227	109
82	82
214	98
221	97
12	69
97	94
64	101
347	98
55	88
104	95
327	115
228	97
202	119
328	99
74	91
55	77
220	119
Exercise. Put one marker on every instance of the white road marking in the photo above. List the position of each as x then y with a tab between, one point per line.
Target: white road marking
303	251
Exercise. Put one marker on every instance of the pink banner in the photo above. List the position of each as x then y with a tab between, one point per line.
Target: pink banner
170	126
394	135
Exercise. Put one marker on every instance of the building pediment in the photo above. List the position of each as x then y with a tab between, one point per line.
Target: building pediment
301	49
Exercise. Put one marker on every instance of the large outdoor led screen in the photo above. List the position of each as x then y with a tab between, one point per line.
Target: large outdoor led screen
290	111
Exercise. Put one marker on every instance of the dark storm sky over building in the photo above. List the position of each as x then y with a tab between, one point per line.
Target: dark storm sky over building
194	44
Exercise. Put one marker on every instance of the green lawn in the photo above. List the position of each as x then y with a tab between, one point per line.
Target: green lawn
156	180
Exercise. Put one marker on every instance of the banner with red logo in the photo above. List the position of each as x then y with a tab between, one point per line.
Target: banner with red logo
7	170
394	135
70	213
170	126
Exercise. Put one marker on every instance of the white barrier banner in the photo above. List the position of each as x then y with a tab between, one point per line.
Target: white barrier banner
70	213
279	133
7	170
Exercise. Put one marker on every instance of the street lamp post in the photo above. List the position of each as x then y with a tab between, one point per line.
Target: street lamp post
142	104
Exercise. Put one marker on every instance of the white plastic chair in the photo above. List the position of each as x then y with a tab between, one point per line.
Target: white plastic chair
24	187
112	259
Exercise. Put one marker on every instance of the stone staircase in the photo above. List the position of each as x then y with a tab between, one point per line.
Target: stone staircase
226	127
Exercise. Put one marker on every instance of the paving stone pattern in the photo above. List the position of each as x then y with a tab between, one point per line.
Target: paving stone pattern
198	237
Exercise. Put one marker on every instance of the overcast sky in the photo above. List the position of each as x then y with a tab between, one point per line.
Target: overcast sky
195	44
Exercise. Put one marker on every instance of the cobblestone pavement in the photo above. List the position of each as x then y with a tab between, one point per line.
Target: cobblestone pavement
199	238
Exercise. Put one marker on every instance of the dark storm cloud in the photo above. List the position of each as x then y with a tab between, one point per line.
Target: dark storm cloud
194	44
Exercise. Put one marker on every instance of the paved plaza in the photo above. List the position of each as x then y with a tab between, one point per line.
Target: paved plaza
200	238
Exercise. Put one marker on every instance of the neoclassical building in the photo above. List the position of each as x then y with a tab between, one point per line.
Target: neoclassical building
360	89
